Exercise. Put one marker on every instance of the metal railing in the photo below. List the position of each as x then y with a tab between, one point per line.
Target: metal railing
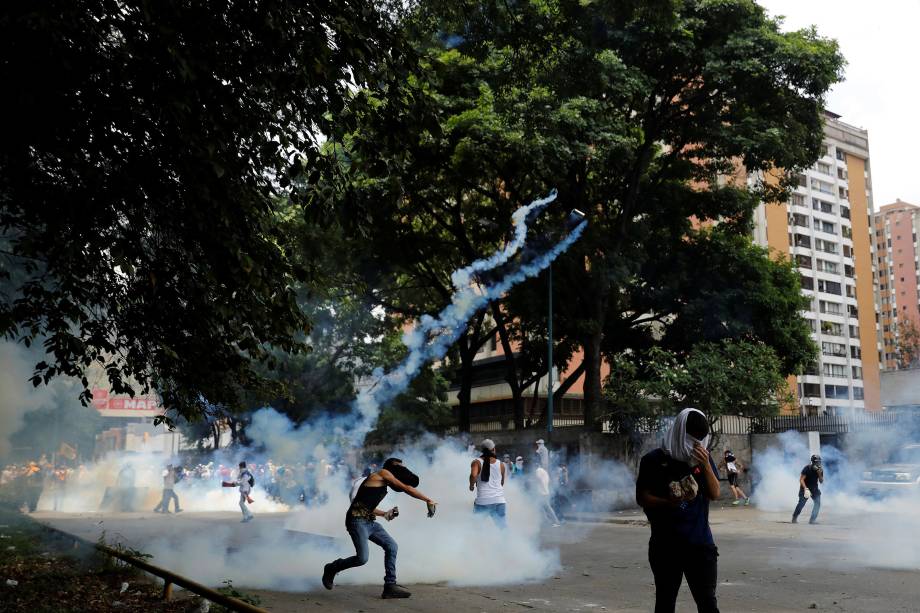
169	578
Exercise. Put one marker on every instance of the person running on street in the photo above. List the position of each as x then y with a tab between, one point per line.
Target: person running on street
245	481
169	493
360	521
733	468
543	495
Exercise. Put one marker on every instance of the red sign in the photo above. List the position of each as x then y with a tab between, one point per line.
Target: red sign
103	400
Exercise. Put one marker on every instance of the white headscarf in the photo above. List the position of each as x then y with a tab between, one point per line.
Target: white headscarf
677	443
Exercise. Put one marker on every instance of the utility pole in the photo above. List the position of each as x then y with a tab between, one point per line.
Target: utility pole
549	359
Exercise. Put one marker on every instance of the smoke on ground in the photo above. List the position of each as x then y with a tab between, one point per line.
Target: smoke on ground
888	533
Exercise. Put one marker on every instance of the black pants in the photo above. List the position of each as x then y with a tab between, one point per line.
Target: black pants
671	563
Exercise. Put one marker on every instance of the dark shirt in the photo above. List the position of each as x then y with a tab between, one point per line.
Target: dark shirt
366	500
687	524
811	480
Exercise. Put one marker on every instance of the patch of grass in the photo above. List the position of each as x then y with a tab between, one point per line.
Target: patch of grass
54	577
229	590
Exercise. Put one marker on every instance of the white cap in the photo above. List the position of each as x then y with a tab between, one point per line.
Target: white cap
487	444
539	441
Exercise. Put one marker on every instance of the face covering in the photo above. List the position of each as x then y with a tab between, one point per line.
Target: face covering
404	475
678	444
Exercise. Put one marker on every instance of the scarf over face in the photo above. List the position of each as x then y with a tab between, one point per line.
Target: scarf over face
678	444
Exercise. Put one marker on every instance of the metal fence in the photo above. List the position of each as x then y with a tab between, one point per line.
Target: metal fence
733	424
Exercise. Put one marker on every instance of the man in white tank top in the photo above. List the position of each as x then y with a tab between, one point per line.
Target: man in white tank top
487	479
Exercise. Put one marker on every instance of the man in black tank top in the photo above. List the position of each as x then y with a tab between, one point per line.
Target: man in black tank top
361	523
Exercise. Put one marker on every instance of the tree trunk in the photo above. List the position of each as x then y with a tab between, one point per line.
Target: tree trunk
594	399
511	376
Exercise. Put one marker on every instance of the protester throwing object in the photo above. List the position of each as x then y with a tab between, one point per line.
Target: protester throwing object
811	476
675	485
360	521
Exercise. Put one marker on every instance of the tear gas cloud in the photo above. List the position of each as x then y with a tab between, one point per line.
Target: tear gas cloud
888	534
454	546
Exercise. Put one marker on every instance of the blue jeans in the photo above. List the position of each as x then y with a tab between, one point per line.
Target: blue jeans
816	506
361	531
496	511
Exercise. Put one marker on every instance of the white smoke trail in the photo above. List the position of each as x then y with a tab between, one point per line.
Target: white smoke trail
433	336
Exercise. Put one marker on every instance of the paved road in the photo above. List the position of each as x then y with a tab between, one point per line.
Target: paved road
766	564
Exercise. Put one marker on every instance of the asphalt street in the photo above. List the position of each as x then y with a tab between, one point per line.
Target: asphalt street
765	564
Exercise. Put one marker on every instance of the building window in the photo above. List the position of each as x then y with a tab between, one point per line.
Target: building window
803	261
844	212
820	205
798	199
834	349
811	390
839	392
832	308
829	287
855	352
798	219
822	186
831	328
800	240
807	282
841	156
858	393
835	370
854	331
825	246
825	266
823	167
857	372
825	226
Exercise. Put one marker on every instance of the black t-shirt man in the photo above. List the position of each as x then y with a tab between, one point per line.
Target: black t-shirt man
812	476
688	523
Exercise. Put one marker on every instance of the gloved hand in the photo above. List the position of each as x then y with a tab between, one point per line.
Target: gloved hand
806	494
389	515
432	507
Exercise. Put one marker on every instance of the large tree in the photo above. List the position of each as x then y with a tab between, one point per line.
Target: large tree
146	147
636	112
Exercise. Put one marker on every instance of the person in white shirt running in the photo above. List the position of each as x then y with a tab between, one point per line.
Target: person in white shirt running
487	479
542	480
245	481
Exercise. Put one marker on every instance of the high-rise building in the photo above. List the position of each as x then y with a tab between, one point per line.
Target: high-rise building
898	263
825	230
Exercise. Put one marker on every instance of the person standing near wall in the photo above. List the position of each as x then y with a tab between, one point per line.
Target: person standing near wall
675	484
811	476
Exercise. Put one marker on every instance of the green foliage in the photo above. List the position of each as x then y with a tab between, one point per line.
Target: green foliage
636	112
142	176
729	377
229	590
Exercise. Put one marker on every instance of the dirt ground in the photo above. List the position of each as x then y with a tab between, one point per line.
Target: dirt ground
765	564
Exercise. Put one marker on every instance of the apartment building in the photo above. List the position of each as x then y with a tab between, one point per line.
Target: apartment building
825	230
897	253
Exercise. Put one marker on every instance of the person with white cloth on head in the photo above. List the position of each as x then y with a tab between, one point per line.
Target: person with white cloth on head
245	481
542	454
675	484
487	479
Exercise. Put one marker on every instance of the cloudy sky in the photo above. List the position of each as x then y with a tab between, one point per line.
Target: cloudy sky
881	42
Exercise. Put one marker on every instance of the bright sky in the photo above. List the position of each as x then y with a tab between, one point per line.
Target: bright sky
881	42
